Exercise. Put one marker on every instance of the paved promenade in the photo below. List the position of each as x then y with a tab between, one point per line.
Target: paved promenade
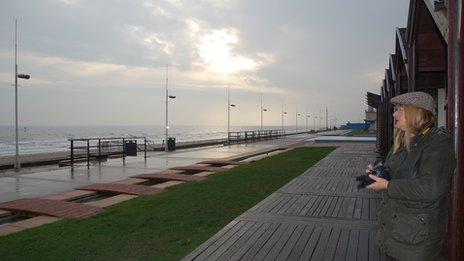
49	180
319	215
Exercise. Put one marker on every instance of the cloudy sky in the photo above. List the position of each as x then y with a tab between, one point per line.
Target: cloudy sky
104	62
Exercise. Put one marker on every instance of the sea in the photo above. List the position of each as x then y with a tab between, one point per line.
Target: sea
43	139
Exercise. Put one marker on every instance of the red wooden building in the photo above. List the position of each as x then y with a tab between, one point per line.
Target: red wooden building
429	57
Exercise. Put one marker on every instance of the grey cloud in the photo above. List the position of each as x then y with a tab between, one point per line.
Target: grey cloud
323	51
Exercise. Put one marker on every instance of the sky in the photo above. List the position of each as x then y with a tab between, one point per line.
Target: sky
105	62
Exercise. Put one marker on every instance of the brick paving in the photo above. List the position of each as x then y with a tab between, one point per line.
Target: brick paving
122	189
167	184
4	213
220	163
111	201
71	195
35	221
54	208
131	181
169	177
9	229
192	169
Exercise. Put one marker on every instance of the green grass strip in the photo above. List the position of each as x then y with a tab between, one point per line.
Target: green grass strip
166	226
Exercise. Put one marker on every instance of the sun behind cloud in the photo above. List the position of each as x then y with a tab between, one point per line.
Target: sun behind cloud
216	51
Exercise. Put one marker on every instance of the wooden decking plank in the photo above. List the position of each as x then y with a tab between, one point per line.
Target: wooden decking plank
273	204
230	241
305	220
251	241
325	208
305	201
373	208
291	243
358	208
365	208
351	207
264	202
319	234
332	244
278	205
219	241
337	207
282	240
301	243
241	241
288	204
363	245
316	212
322	244
260	242
344	208
340	253
192	255
269	245
297	204
316	205
312	200
374	251
352	249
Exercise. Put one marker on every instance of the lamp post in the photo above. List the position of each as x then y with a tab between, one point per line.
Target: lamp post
307	116
262	110
314	122
17	164
229	105
167	98
283	113
296	120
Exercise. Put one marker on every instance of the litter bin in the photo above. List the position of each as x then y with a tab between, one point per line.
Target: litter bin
130	147
171	144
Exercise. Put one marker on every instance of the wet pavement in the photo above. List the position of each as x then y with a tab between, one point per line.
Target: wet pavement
49	180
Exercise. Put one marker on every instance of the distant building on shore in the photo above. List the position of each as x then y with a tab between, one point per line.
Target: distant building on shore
371	118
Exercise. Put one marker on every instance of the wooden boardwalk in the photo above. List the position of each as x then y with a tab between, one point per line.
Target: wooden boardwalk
319	215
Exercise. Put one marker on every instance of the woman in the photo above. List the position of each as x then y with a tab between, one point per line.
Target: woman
412	217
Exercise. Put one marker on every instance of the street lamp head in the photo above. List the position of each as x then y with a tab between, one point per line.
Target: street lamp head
264	109
232	105
24	76
285	112
172	96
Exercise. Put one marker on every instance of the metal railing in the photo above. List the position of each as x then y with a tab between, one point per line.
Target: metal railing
251	136
88	149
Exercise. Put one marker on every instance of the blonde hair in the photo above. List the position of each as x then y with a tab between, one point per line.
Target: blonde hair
417	120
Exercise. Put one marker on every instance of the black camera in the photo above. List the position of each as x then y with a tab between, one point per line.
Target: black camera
379	170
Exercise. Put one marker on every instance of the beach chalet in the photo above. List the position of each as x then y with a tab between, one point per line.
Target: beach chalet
429	57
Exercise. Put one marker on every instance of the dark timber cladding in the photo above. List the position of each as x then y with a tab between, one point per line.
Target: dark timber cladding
319	215
428	57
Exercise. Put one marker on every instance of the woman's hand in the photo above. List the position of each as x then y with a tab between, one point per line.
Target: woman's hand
379	184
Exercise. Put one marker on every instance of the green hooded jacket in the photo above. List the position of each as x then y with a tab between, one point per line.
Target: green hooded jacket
413	214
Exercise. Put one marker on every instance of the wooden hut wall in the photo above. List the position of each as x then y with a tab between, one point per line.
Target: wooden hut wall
400	56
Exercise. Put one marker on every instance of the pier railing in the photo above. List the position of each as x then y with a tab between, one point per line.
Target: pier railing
251	136
90	149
